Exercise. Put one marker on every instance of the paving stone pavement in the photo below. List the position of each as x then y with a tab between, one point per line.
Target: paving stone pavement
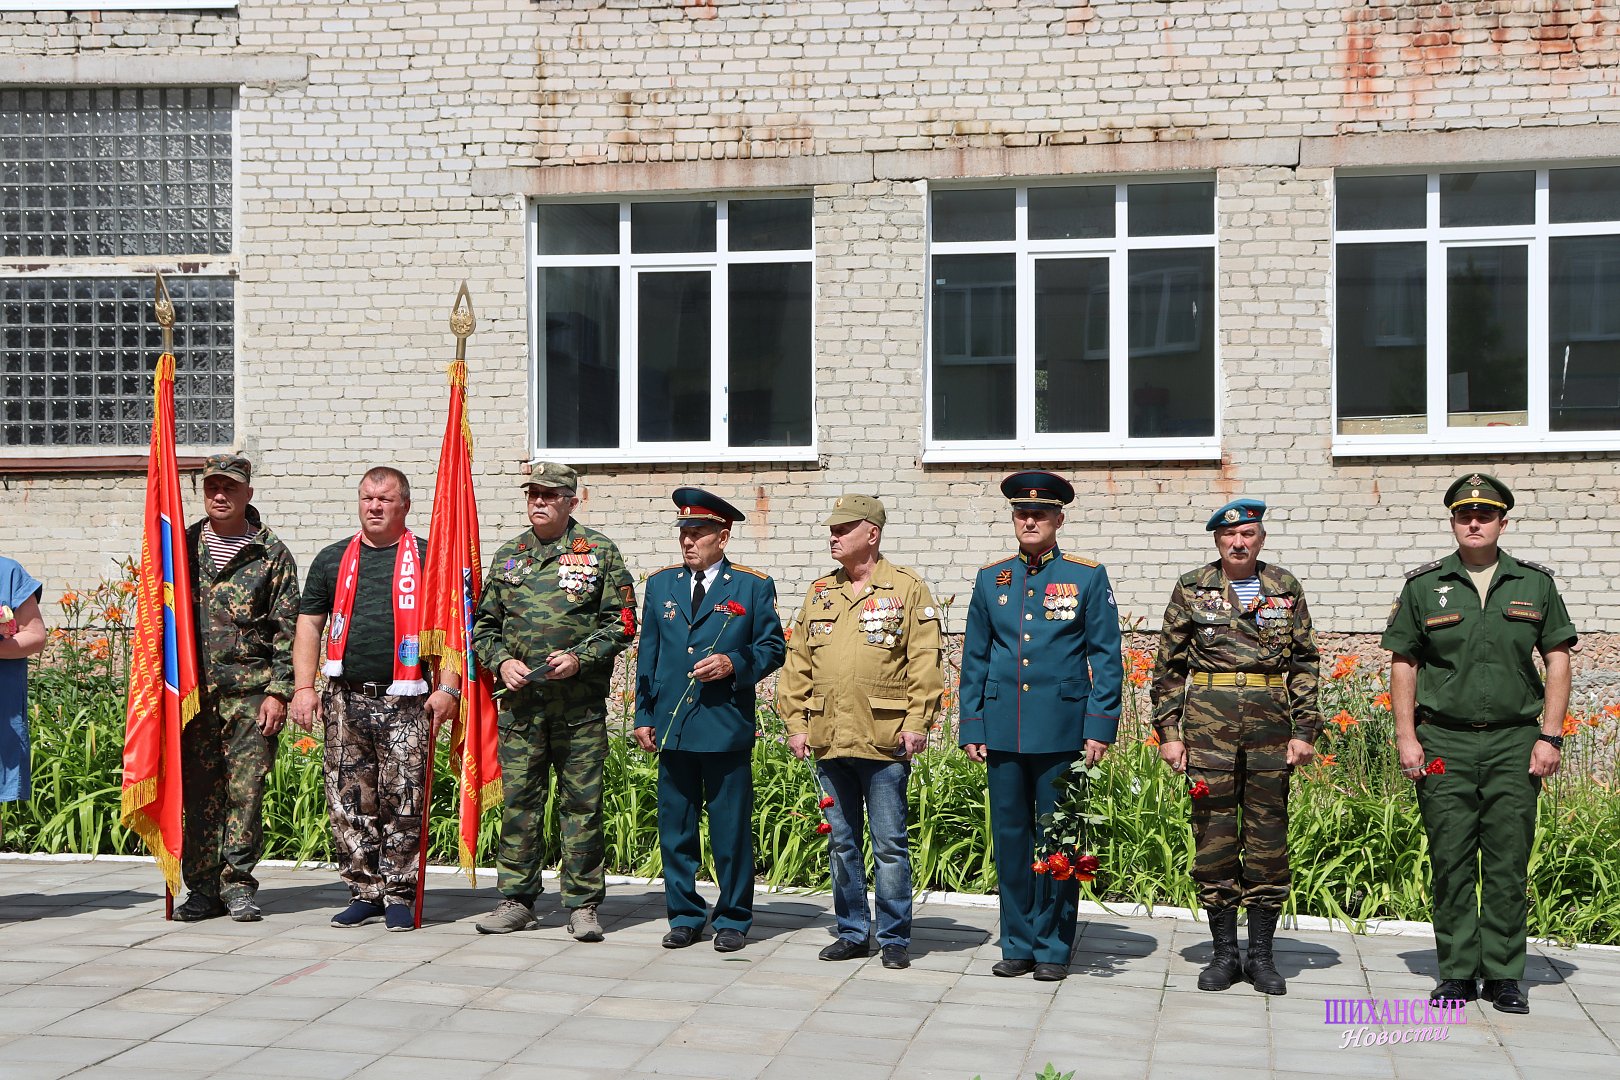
93	983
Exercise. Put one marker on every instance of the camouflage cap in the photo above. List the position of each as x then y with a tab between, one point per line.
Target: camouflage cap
849	508
234	466
549	474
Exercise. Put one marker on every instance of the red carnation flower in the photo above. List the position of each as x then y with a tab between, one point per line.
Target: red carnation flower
1058	863
734	608
1087	864
1199	790
826	801
1039	866
627	621
1436	767
824	828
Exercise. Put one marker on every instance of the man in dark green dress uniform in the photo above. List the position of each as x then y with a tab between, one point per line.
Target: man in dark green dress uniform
1466	693
1234	703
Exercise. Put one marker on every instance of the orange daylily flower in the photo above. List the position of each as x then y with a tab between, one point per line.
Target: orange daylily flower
1345	666
1571	725
1344	720
1327	759
1382	701
99	649
304	745
1152	738
69	598
114	614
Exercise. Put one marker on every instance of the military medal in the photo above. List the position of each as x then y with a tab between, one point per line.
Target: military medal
1442	590
577	573
669	610
1062	598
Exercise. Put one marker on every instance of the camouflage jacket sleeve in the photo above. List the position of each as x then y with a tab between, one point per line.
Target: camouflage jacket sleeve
283	619
615	622
1303	672
1170	666
489	643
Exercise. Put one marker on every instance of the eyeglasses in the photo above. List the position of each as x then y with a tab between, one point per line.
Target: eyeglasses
549	495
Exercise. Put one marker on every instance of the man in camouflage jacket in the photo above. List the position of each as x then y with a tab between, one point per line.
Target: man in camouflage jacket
557	607
1234	704
244	585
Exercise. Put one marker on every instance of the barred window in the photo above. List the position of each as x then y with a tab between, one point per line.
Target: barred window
99	188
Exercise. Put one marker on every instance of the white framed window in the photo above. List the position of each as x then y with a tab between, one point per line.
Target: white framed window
1477	311
1072	320
673	329
117	5
99	188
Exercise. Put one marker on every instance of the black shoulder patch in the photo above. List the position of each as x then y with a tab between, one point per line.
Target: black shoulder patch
1424	569
1537	566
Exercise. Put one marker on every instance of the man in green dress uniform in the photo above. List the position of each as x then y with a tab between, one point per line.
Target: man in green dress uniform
1466	694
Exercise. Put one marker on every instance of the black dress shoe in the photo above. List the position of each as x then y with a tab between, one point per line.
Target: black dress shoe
845	949
1051	972
895	957
1505	996
728	940
1011	969
679	937
1454	990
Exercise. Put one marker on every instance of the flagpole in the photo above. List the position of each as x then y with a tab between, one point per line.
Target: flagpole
164	308
462	322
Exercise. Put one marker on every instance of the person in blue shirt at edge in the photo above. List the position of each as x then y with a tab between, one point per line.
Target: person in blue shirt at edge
1037	619
699	660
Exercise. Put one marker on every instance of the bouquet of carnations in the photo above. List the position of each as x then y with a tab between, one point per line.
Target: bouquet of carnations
1068	832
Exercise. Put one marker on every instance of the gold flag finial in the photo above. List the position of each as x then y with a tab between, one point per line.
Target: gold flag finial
165	313
462	320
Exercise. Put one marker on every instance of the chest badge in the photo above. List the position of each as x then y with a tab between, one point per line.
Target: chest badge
669	610
1002	599
1004	578
1442	590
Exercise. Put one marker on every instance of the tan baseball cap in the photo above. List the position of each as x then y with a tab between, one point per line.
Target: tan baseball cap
234	466
848	508
549	474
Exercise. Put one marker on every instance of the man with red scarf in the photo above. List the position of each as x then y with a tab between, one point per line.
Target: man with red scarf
365	594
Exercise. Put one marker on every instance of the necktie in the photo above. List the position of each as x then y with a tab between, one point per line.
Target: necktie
697	596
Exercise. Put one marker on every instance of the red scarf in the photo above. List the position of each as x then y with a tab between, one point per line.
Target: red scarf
408	681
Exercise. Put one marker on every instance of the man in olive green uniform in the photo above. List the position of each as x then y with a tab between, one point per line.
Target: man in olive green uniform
557	607
1234	703
1466	693
244	585
860	689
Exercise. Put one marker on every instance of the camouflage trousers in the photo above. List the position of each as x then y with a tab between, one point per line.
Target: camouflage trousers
376	773
223	762
572	742
1237	743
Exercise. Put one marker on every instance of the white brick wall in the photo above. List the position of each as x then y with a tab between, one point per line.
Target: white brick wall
386	150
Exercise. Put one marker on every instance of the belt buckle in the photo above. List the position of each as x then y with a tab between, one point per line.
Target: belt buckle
1478	727
1240	679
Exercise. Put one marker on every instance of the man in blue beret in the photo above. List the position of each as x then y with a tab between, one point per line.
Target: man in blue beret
1463	684
709	634
1234	703
1038	621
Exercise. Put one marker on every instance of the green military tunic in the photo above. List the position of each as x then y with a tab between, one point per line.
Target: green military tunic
543	596
1237	736
1478	699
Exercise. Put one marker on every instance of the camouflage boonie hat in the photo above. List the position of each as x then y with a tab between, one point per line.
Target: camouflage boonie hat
234	466
849	508
549	474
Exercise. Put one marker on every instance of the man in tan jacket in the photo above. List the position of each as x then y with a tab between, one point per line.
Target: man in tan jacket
860	689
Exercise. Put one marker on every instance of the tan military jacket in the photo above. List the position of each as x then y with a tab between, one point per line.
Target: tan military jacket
862	669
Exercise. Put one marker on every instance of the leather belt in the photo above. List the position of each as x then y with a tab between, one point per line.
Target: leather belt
1237	678
367	689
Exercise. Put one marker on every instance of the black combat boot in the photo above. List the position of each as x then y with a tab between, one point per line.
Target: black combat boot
1225	968
1258	967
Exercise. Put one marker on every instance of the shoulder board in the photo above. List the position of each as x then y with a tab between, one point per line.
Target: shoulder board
1081	559
750	570
998	562
1424	569
661	569
1190	577
1537	566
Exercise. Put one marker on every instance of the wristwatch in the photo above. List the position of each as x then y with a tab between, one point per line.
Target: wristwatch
453	691
1555	741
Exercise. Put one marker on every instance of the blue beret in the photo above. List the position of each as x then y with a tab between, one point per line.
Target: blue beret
1236	512
1037	489
694	506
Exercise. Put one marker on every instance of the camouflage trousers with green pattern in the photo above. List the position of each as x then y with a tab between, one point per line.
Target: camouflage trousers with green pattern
224	760
1237	743
572	742
376	785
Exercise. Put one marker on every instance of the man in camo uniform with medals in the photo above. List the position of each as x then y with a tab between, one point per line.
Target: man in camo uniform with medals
557	607
1234	703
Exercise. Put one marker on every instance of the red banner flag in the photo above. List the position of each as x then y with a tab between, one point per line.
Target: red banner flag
163	694
454	582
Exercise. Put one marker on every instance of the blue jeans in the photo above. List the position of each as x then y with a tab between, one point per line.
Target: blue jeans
868	792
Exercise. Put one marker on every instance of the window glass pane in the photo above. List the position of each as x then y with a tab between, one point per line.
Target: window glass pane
1487	337
973	214
580	306
975	390
111	173
1583	322
671	226
1171	209
768	371
76	357
1071	345
578	228
1584	194
1381	338
1172	343
1380	202
1487	198
1071	213
673	341
769	224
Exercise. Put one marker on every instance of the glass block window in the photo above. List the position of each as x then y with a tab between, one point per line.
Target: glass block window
98	187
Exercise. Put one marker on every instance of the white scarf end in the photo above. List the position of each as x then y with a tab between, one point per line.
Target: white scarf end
332	669
407	688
